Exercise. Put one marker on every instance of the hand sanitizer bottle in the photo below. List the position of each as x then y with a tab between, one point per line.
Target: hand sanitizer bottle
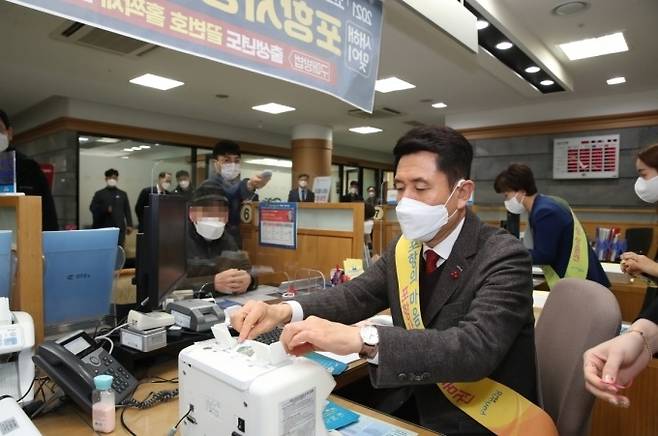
102	409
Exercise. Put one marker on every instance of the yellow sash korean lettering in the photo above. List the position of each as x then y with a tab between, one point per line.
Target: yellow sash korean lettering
495	406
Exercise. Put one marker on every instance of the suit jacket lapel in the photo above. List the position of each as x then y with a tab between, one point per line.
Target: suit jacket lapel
455	270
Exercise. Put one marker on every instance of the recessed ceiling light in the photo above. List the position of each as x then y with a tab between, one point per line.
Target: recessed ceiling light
591	47
504	45
392	84
83	139
125	157
273	108
157	82
532	69
616	80
144	147
439	105
546	82
128	149
481	24
108	140
365	130
570	7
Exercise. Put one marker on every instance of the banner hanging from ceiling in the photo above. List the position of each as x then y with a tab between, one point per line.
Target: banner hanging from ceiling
331	46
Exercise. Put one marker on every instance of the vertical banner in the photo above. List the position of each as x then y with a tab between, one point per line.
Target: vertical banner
331	46
277	225
321	188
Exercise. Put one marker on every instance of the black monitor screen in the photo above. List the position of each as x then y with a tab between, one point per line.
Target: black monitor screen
161	259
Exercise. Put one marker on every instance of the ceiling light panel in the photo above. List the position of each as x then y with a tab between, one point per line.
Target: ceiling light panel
593	47
392	84
273	108
157	82
365	130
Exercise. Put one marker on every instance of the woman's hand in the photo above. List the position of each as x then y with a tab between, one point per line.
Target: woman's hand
634	264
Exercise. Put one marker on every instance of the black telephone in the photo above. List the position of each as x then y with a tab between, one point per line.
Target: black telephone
74	360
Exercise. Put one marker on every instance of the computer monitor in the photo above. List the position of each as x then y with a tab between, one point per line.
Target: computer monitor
5	263
161	261
78	276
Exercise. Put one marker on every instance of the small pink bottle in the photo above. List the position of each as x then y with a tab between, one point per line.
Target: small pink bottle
103	414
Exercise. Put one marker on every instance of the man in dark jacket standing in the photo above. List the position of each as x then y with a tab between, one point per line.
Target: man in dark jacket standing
29	178
227	178
110	207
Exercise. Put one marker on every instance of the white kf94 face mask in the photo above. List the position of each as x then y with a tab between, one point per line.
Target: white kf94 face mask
647	190
420	221
515	206
210	229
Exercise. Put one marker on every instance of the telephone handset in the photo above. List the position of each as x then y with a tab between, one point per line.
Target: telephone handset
74	360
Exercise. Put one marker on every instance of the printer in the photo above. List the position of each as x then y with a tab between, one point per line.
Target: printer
194	314
16	350
250	389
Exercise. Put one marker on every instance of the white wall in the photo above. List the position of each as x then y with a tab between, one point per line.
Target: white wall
134	175
557	109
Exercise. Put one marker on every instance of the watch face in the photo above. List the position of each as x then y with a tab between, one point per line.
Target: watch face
370	335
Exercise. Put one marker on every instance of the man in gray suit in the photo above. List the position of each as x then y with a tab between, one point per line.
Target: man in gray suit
475	296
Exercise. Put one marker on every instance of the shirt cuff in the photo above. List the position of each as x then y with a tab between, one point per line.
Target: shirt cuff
297	311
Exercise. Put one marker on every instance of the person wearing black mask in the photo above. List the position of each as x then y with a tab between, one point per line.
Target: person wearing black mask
110	207
30	180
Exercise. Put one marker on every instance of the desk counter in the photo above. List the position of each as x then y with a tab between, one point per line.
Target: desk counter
70	421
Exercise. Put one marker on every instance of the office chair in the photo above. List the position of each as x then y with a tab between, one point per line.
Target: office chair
638	239
578	315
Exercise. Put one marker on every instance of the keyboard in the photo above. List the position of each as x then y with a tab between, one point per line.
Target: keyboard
270	337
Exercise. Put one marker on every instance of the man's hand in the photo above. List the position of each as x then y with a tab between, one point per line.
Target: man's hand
257	317
232	281
317	334
256	182
109	209
129	230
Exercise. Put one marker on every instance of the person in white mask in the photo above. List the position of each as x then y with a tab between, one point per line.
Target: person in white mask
30	179
557	235
302	193
459	292
372	197
163	187
183	188
611	366
212	254
227	156
646	188
110	207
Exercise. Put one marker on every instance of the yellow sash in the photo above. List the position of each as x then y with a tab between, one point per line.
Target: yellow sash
579	258
495	406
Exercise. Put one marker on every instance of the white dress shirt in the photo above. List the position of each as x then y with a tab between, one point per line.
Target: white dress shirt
443	249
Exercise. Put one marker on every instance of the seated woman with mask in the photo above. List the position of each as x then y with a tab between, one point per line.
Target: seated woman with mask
212	254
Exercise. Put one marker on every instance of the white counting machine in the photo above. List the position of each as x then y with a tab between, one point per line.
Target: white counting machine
250	389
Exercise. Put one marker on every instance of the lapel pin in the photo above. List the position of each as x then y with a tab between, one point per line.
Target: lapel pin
454	275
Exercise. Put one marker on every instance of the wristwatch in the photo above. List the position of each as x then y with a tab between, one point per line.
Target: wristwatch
370	338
